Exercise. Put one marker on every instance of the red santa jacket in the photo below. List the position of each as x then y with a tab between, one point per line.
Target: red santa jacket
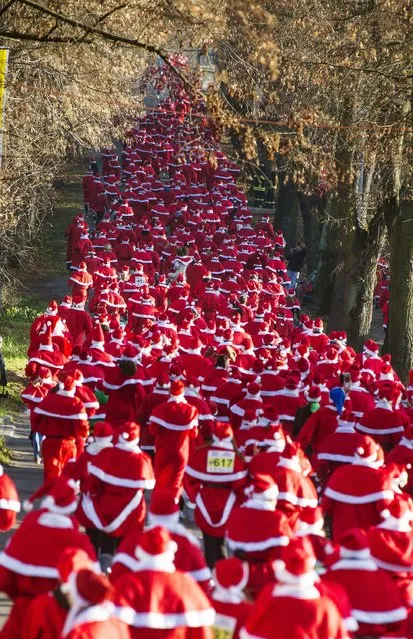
60	416
164	600
301	613
355	496
188	558
375	601
392	551
385	425
337	450
28	569
115	503
214	477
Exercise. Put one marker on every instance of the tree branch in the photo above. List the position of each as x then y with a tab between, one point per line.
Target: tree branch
106	35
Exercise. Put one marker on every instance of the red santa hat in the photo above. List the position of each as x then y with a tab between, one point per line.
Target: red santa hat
370	347
311	522
67	388
253	391
398	515
346	421
332	354
129	437
354	544
223	435
313	395
318	323
193	382
163	381
52	308
98	338
175	372
386	373
102	432
274	440
130	354
370	454
66	301
386	391
46	342
72	560
87	588
270	415
249	418
44	373
9	501
290	457
164	508
177	389
231	575
303	366
156	549
262	488
59	496
297	563
82	267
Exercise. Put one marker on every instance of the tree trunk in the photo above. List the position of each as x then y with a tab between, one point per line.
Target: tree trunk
311	207
326	270
359	310
287	210
400	331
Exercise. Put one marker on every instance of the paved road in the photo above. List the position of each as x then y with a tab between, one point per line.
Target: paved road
27	477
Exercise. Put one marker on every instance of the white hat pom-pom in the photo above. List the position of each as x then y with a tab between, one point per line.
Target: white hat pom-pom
27	506
360	450
385	513
125	435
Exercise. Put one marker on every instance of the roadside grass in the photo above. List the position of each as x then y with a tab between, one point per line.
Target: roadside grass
26	301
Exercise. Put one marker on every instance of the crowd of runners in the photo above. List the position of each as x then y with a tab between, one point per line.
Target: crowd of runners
215	464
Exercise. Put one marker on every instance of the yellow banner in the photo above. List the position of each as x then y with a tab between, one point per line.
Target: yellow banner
4	56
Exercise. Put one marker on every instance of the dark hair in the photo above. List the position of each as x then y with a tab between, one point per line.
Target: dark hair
127	367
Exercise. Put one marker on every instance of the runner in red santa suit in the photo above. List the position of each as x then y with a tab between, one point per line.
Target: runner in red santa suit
232	607
80	282
46	614
257	531
215	477
29	569
268	442
92	611
9	502
158	600
402	454
383	423
126	392
296	490
338	449
174	424
114	505
391	545
61	419
189	558
356	494
78	469
46	354
375	601
323	422
78	322
294	603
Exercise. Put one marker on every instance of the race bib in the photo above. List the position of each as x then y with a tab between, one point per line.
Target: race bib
220	461
224	627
